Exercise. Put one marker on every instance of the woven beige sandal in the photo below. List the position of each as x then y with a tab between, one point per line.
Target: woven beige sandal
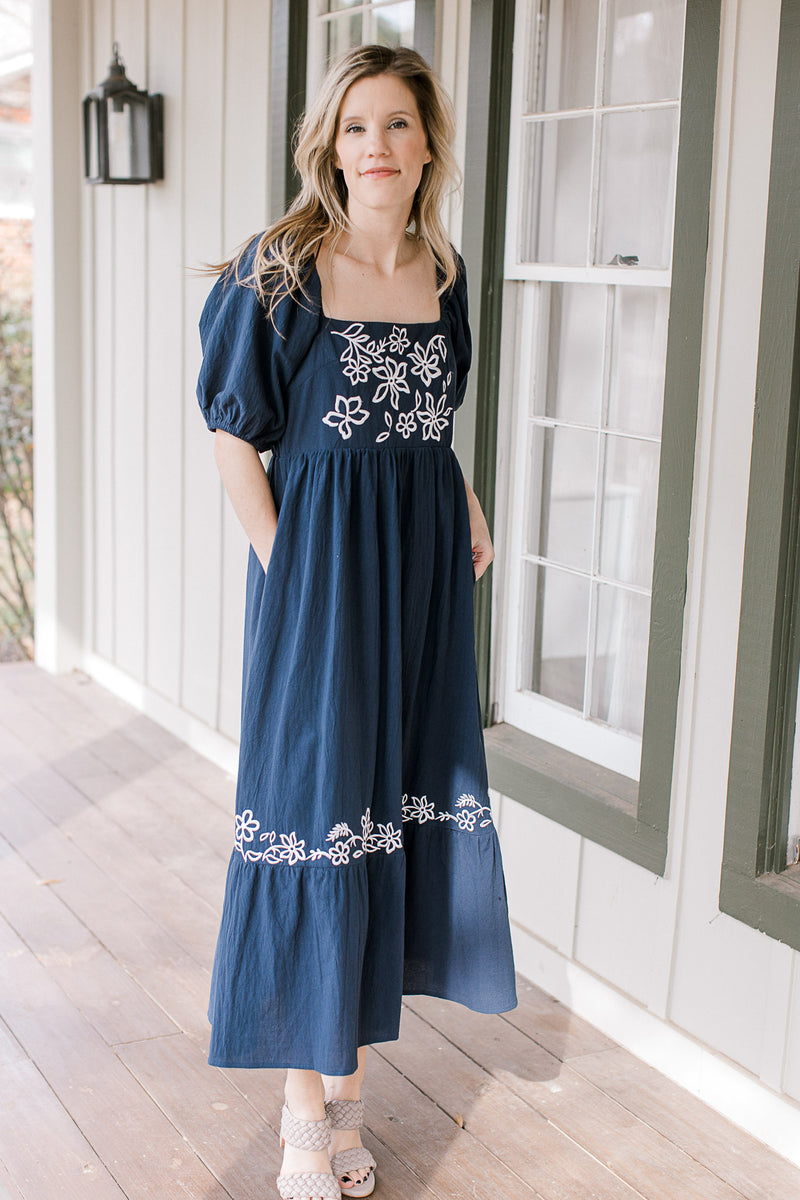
307	1135
349	1114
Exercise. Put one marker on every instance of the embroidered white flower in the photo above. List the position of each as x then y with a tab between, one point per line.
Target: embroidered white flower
291	849
340	854
406	423
398	340
418	808
425	360
388	838
393	373
346	412
433	416
245	827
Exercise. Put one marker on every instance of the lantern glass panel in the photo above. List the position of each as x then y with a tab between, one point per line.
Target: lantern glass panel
128	137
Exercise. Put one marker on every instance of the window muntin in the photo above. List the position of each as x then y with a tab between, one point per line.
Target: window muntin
595	115
336	26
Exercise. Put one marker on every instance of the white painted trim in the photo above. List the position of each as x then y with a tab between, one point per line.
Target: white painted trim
728	1089
57	337
195	733
614	276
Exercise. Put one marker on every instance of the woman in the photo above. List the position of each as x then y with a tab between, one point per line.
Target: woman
365	861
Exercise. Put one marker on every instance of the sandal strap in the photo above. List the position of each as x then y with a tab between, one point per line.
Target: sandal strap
345	1114
357	1159
302	1185
305	1135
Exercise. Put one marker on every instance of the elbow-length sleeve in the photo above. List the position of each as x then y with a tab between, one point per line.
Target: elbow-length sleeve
240	386
460	331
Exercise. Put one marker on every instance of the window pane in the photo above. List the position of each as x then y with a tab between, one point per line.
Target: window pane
343	34
620	658
637	186
394	25
645	49
569	382
638	360
335	5
628	515
562	59
561	520
557	186
556	623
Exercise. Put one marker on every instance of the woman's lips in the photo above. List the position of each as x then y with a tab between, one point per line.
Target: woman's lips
380	173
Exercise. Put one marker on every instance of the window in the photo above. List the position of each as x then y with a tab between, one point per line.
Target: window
592	370
760	881
595	112
336	26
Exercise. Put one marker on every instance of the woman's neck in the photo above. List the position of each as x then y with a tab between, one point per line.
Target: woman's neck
378	240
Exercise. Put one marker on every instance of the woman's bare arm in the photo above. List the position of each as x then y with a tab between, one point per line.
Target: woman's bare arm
482	548
246	483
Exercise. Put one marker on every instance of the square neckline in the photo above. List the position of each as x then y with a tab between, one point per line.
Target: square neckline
358	321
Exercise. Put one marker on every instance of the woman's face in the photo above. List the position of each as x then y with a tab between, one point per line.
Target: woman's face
381	145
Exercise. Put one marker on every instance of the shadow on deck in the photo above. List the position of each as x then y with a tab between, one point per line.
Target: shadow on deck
114	838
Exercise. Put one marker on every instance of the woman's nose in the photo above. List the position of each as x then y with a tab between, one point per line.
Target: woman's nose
377	141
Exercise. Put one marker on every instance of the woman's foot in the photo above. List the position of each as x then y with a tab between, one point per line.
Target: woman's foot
305	1133
352	1164
356	1177
348	1139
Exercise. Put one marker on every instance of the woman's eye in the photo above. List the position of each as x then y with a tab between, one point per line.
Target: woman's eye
398	123
353	128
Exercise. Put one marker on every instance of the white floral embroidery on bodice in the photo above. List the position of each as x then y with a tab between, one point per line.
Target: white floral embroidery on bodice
412	384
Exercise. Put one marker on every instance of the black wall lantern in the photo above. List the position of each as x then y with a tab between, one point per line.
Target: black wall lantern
123	131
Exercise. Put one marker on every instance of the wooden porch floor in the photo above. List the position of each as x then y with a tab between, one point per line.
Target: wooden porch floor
114	839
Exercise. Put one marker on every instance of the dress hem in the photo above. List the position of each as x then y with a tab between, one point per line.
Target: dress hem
224	1063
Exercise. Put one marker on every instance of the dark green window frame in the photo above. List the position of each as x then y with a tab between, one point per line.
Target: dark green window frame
756	885
631	819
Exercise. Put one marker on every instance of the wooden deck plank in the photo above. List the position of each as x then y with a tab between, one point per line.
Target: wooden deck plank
8	1189
217	1121
187	834
148	951
551	1025
129	1133
93	979
742	1161
451	1162
634	1151
31	1121
551	1164
110	712
136	790
181	911
10	1049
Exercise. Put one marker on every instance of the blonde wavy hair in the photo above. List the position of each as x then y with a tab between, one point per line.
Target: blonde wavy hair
287	250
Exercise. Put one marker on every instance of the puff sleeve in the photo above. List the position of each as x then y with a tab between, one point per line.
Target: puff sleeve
240	388
460	331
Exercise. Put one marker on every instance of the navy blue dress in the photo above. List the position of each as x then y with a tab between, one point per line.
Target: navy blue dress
365	862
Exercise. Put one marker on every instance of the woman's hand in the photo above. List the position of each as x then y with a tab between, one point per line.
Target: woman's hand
482	548
248	489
